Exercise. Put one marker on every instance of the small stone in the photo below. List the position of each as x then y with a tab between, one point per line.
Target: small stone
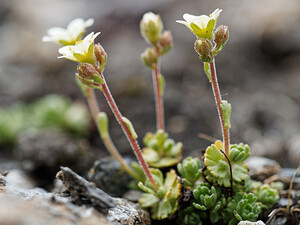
108	175
251	223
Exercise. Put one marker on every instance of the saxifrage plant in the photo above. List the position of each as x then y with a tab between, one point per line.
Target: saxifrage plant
221	190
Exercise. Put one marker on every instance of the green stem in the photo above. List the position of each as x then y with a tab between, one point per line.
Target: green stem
218	99
133	142
94	108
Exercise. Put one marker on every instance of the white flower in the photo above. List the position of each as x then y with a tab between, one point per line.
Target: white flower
82	51
151	27
202	26
68	36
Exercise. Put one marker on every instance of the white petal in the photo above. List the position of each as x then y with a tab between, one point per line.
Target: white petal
89	22
67	52
216	14
189	18
77	23
54	31
46	39
149	16
202	21
183	22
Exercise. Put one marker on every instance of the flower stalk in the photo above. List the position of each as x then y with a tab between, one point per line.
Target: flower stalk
133	142
218	100
95	110
160	122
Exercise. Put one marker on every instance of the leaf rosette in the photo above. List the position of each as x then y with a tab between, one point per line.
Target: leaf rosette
161	151
190	171
242	207
218	166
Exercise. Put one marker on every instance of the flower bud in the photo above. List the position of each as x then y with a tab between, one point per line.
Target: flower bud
151	27
87	71
221	35
149	57
101	56
204	48
166	42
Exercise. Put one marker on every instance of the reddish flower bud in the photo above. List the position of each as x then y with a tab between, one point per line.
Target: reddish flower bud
101	56
221	35
87	71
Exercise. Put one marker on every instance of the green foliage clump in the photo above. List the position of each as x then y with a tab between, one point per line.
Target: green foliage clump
163	202
241	207
267	195
12	120
206	196
209	198
191	216
52	111
190	171
61	113
161	151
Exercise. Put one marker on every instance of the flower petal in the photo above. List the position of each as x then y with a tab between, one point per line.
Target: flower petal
189	17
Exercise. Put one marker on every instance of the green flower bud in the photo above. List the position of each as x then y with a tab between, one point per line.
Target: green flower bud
204	48
149	57
101	56
221	35
166	42
151	27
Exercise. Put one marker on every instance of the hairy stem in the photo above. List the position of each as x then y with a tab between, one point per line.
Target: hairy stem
218	99
133	142
93	105
158	98
94	108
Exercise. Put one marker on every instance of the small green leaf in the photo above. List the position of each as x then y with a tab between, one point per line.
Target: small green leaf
98	79
130	127
226	111
161	82
207	71
102	122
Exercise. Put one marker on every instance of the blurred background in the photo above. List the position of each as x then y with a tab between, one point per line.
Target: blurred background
258	73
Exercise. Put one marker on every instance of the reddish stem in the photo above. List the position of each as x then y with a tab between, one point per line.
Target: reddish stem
93	105
158	99
133	142
218	99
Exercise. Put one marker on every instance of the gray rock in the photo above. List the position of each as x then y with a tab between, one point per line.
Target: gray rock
251	223
261	168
